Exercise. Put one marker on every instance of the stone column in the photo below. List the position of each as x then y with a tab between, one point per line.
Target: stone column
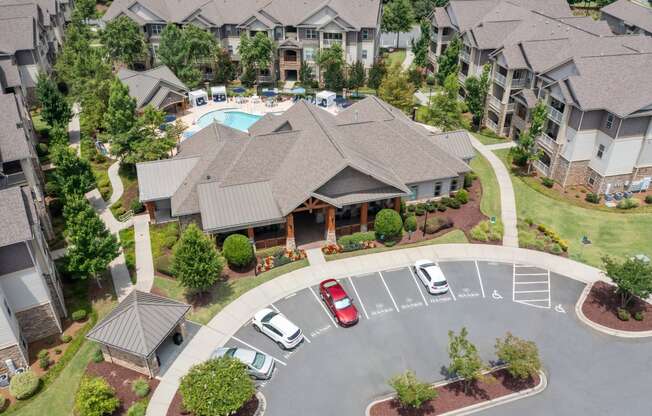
290	242
397	204
330	225
364	209
151	210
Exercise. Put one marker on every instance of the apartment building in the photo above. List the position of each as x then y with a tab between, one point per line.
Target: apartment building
30	290
299	28
629	17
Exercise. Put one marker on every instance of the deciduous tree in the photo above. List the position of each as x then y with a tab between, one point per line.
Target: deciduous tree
444	111
356	75
398	17
447	63
376	74
196	263
72	175
54	108
522	356
411	392
476	94
120	114
224	70
181	49
465	359
525	152
422	45
306	77
331	64
123	40
632	277
397	89
256	52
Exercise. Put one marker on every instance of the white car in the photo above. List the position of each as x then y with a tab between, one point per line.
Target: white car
431	276
279	328
259	366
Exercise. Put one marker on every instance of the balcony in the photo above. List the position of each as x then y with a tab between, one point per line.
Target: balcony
547	142
327	43
491	124
495	103
12	179
465	56
461	77
555	115
541	167
520	82
500	79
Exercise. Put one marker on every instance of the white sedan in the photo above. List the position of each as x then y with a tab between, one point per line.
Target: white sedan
431	276
279	328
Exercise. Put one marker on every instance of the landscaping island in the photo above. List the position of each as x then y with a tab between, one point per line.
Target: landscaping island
601	306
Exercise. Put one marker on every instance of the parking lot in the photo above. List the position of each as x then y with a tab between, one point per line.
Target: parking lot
338	371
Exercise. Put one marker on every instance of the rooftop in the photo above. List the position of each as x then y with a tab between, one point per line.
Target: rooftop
17	214
633	14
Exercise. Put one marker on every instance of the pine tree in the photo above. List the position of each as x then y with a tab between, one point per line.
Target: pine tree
396	89
120	115
196	263
421	46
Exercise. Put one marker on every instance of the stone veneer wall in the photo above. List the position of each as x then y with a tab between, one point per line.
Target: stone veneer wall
59	305
14	353
131	361
38	322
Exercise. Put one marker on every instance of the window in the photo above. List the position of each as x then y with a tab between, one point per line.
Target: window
414	191
278	33
157	29
364	54
453	185
364	34
7	307
610	121
230	49
332	36
437	189
309	54
600	151
591	181
312	34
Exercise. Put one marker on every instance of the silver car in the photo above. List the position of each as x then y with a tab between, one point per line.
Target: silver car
259	366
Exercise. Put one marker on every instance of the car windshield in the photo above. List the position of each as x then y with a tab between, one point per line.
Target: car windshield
230	352
440	283
330	284
269	317
259	360
425	273
342	303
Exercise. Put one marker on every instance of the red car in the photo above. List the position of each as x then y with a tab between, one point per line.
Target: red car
338	302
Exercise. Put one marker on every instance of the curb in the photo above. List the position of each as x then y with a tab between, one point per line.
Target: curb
262	404
601	328
478	407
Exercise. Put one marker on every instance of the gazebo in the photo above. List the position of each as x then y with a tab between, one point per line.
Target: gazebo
131	334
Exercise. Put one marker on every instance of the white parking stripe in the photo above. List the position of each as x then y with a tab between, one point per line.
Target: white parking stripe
531	291
256	349
322	306
307	339
274	307
530	274
357	295
450	290
416	282
479	277
390	293
540	282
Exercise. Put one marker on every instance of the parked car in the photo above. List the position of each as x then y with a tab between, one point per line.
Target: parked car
431	276
259	366
338	302
279	328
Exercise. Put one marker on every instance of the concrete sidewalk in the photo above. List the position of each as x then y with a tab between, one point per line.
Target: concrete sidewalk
498	146
116	183
74	130
218	331
144	261
409	58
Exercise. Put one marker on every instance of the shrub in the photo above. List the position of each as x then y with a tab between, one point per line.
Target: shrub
410	224
359	237
97	357
43	359
462	196
411	208
521	355
441	207
623	314
485	231
388	224
3	402
390	243
446	201
56	207
411	392
216	387
454	203
238	251
468	179
42	149
638	316
23	385
95	397
592	198
137	207
140	387
436	224
547	182
529	221
648	199
431	206
137	409
57	351
420	210
51	188
627	203
556	248
79	315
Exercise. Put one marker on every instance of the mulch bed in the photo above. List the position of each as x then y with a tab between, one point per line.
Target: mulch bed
176	408
452	396
51	344
601	306
120	379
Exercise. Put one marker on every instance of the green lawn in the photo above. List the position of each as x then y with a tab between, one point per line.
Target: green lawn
398	56
488	137
130	194
100	166
224	292
490	204
129	250
452	237
613	233
163	237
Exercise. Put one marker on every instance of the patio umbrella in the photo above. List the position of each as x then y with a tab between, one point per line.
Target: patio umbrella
298	90
239	90
269	94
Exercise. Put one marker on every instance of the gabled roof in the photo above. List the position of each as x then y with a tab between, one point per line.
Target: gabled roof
151	86
631	13
456	143
17	213
13	139
140	323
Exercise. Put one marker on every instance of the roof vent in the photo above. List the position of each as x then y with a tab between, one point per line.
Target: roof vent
208	177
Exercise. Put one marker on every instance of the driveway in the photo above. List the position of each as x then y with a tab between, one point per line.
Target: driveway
339	371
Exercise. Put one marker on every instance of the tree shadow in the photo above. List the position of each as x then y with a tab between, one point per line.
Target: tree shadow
426	409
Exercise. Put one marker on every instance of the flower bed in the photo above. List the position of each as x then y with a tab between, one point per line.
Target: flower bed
267	263
541	237
451	396
602	304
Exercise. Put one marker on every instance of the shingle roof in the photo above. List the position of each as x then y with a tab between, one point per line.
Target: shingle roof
631	13
456	143
13	142
15	216
289	166
151	86
140	323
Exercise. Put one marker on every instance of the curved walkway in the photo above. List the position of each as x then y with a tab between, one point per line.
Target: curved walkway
240	311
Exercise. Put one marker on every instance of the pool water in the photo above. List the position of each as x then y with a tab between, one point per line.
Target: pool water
232	118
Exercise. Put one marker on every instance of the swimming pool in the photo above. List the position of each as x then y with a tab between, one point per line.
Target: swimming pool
233	118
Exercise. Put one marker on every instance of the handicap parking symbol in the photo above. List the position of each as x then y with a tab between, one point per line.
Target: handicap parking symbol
560	309
496	295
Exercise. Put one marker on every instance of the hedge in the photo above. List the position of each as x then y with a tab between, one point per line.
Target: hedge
354	238
23	385
388	224
237	250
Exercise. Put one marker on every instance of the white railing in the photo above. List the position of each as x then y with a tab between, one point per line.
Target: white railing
510	107
490	124
461	76
500	79
126	216
541	167
327	43
520	82
465	56
548	141
554	114
495	102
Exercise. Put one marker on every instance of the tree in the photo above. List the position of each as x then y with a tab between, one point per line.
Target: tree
54	108
90	245
306	77
447	63
331	63
217	387
444	111
476	94
465	359
388	224
422	45
73	175
196	263
410	391
84	10
123	40
224	70
521	355
120	114
376	74
423	8
238	251
95	397
632	277
356	76
181	49
256	52
396	89
142	143
525	152
398	17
